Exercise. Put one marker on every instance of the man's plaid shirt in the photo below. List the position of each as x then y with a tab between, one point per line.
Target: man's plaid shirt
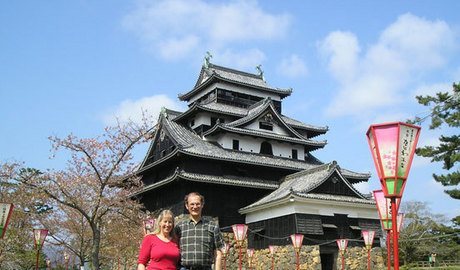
198	241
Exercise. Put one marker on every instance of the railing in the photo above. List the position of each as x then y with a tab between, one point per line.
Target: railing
436	264
422	264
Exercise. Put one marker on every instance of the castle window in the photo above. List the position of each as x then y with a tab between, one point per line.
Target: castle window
266	148
236	145
192	122
294	153
266	126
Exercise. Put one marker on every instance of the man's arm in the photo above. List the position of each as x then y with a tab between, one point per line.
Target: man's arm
218	244
218	260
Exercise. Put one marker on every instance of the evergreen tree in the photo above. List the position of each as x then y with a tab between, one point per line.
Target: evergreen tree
444	111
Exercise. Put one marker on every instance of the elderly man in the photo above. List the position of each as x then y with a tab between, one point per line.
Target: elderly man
200	237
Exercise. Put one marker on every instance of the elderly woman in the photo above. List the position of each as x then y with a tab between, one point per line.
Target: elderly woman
160	250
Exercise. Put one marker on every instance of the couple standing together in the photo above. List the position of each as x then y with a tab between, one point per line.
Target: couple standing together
193	244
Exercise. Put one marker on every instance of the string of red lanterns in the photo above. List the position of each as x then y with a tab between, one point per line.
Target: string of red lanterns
297	240
342	244
393	146
368	237
39	240
239	232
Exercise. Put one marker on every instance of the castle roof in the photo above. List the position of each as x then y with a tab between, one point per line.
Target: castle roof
213	73
303	184
246	114
189	143
204	178
256	111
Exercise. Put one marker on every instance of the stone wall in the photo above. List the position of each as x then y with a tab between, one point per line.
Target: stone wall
309	258
355	258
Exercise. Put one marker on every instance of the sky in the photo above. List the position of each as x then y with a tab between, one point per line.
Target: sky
77	66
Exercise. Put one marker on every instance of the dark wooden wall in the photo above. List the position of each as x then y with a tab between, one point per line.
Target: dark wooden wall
212	167
220	201
277	231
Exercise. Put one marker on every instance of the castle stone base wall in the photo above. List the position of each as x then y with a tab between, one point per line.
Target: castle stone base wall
309	258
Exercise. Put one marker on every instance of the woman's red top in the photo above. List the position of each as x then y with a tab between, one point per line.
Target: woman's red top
157	254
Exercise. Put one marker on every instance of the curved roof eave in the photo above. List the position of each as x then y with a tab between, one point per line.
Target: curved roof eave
251	208
220	180
253	183
185	152
332	168
186	113
355	175
197	106
157	184
304	198
302	126
215	77
305	182
156	162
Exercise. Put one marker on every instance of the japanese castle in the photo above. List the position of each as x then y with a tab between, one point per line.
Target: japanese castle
253	164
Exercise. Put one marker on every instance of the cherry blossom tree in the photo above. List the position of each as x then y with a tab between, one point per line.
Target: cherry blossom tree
96	184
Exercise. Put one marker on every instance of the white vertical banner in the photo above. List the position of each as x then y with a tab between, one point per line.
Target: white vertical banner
5	213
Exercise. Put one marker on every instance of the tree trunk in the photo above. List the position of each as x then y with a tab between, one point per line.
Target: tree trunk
95	247
82	261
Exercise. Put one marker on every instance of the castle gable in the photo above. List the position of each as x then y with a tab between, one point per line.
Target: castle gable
314	183
162	145
264	117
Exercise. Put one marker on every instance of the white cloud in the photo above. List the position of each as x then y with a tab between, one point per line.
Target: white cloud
169	22
341	49
363	95
244	60
293	67
379	77
432	89
363	122
243	20
390	117
363	187
133	109
178	48
419	41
